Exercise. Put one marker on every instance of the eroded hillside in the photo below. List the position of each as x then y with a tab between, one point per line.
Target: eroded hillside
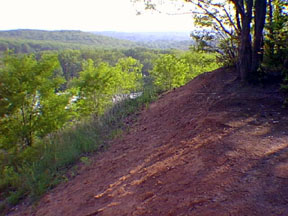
212	147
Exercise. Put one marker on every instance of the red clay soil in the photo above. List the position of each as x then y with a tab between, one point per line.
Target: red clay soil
212	147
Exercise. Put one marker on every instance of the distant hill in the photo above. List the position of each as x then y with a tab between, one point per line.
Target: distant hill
166	44
147	36
43	40
38	40
160	40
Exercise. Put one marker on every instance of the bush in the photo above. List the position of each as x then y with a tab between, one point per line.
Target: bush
52	156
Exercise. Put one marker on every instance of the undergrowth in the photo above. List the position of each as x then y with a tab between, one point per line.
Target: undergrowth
46	164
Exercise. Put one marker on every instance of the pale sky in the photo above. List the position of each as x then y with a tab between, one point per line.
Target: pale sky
86	15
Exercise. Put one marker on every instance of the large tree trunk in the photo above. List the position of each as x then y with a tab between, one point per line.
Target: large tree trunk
245	49
259	19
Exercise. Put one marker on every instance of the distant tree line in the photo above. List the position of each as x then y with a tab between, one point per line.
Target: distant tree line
28	41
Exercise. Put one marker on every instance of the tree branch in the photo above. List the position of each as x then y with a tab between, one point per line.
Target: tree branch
215	18
231	21
238	20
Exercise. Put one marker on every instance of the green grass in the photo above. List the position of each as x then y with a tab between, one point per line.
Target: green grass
49	162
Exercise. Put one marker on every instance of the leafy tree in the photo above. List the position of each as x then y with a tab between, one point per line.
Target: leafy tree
233	19
30	106
199	62
276	38
202	39
237	24
169	72
145	56
70	61
97	85
129	70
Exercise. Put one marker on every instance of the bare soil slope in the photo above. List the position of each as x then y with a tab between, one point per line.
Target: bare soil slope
212	147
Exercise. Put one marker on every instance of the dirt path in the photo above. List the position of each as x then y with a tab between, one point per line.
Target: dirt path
212	147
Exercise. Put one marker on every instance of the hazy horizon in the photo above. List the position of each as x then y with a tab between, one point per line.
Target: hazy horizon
96	30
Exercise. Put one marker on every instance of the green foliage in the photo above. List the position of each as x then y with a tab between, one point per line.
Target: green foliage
30	107
37	40
276	40
227	48
59	151
221	29
166	44
71	63
100	55
85	160
202	41
28	41
169	72
200	62
98	84
129	75
211	42
72	60
145	56
35	147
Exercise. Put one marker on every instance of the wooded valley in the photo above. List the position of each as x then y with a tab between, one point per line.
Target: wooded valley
65	94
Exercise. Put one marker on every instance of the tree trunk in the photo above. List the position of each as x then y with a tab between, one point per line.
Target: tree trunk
245	49
259	18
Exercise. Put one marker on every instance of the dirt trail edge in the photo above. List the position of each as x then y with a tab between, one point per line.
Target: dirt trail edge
212	147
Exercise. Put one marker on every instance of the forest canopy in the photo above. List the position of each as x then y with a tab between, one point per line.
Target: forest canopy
28	41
